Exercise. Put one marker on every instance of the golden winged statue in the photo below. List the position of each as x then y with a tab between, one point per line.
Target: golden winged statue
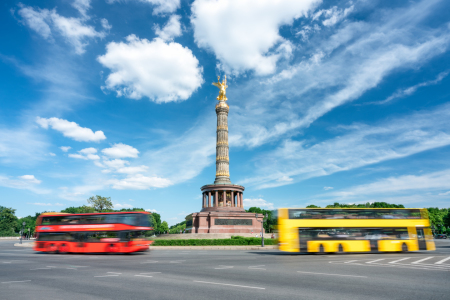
223	88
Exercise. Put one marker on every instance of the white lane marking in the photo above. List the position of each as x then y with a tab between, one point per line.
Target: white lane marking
407	266
395	261
350	261
113	273
374	261
70	268
244	286
143	276
442	261
221	267
150	273
16	281
257	267
106	275
41	269
332	274
421	260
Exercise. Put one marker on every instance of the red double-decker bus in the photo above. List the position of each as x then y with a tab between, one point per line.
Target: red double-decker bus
118	232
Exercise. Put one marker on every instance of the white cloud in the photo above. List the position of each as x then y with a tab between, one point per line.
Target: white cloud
242	33
46	204
120	151
52	154
115	163
25	182
73	30
171	30
120	206
261	203
333	15
161	7
327	188
400	93
65	148
86	154
163	72
139	182
432	181
71	130
132	170
105	24
82	6
151	210
36	20
30	179
361	145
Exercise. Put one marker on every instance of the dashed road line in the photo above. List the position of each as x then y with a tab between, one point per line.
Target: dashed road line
423	259
257	267
401	259
374	261
442	261
221	267
332	274
16	281
226	284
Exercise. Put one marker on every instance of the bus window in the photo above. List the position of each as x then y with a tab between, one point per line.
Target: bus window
54	236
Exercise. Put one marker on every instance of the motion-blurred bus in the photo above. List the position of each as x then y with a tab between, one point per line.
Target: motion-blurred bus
93	232
326	230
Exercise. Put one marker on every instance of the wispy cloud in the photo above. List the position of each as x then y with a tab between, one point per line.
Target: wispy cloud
361	145
401	93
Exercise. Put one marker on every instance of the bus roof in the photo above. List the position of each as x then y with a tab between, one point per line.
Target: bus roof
345	208
86	214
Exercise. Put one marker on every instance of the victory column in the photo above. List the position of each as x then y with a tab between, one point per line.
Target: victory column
222	202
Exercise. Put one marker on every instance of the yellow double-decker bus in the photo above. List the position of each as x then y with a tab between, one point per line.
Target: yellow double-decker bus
326	230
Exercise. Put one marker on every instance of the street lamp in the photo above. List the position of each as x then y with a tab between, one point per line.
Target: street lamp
262	228
21	232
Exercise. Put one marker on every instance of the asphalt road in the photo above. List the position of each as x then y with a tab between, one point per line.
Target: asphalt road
214	274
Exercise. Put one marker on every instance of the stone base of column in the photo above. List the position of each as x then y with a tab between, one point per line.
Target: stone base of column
225	222
222	180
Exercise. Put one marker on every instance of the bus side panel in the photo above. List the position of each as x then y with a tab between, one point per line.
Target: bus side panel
333	246
288	234
429	239
396	245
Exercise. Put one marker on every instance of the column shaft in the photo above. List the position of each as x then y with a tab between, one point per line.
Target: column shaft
209	199
232	198
216	199
224	193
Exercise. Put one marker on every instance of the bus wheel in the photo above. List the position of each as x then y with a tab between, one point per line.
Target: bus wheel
63	249
321	249
340	249
52	248
404	248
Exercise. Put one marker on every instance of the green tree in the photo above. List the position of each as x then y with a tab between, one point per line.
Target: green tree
100	203
157	222
164	227
78	210
155	225
8	221
312	206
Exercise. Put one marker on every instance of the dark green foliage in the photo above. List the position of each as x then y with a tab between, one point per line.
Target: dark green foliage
313	206
8	221
269	222
78	210
439	218
234	241
367	205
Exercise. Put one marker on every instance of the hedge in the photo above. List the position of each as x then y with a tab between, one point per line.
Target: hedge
241	241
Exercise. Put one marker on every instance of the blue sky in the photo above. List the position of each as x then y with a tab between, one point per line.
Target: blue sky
330	101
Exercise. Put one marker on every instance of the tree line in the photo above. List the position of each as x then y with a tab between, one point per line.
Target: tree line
10	225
